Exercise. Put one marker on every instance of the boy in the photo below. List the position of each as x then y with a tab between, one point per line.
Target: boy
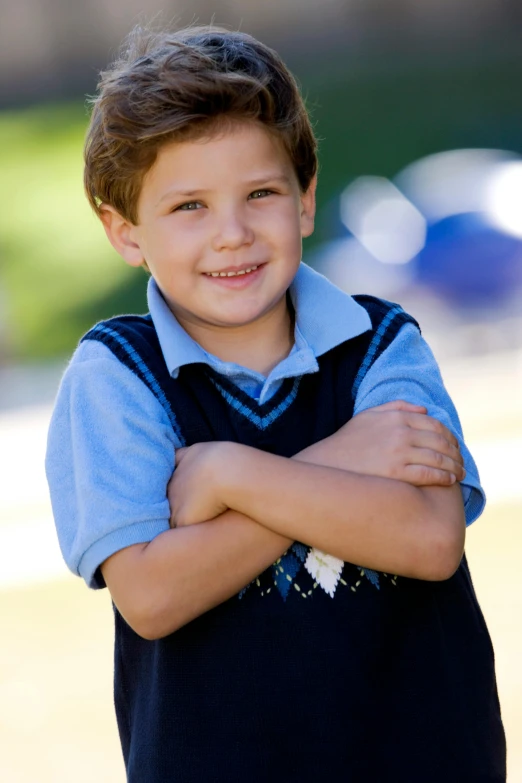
261	630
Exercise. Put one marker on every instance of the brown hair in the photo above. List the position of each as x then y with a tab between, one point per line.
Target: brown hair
175	86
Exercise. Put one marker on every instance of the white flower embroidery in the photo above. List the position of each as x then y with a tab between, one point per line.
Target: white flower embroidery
324	569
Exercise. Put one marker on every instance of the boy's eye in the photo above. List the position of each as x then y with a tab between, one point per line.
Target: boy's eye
260	193
189	206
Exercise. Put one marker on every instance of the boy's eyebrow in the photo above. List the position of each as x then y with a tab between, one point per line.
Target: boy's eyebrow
184	193
280	178
255	183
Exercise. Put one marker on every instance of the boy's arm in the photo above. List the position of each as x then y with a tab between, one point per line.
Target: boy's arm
293	501
407	370
182	573
110	454
107	474
380	523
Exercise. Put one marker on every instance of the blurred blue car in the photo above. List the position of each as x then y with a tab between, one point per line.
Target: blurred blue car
450	224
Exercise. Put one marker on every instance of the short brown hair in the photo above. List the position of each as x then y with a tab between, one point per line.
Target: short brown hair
175	86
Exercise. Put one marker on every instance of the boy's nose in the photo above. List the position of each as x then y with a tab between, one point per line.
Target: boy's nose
232	231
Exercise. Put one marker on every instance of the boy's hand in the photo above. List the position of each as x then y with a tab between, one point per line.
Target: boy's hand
397	440
193	491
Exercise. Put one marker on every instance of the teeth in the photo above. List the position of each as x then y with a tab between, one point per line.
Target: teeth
231	274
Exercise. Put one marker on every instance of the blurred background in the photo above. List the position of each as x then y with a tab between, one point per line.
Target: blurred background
418	109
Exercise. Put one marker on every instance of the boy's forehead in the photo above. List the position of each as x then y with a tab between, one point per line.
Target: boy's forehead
243	154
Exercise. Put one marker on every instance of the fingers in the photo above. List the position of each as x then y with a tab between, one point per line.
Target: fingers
399	405
424	476
429	424
415	417
440	462
428	439
433	450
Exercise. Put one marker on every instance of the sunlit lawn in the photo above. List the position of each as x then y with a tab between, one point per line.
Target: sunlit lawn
494	547
56	717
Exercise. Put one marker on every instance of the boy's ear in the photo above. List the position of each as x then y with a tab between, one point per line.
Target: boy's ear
308	208
121	235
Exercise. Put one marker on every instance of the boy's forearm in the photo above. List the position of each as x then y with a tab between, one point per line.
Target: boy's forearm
380	523
184	572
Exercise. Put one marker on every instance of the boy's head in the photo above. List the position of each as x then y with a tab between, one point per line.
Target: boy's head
179	86
201	163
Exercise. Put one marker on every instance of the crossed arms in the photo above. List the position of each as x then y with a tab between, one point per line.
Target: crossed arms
382	492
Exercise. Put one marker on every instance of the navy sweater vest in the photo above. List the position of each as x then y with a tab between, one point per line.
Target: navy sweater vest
380	678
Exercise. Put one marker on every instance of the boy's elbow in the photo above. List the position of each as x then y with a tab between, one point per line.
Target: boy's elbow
142	622
151	612
149	621
443	564
139	597
149	631
445	547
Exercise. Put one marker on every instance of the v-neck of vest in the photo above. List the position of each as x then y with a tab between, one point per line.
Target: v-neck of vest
245	399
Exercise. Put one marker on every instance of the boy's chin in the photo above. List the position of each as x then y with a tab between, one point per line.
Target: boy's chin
238	321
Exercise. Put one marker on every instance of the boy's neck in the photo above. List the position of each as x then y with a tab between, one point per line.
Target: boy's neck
259	346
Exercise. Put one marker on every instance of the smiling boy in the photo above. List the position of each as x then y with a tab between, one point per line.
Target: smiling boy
235	206
291	601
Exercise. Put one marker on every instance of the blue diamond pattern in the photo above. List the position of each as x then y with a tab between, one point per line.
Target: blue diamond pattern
300	550
243	591
284	572
373	576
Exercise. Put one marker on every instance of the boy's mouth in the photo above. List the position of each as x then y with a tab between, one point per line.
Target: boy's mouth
231	272
236	278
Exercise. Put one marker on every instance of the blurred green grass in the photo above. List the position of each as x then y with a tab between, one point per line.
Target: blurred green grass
55	261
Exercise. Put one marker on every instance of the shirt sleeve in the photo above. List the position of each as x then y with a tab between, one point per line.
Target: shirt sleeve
407	370
110	455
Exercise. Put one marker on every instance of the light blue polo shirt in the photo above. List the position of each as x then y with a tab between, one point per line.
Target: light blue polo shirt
111	446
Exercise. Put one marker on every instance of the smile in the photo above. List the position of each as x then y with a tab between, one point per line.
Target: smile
232	274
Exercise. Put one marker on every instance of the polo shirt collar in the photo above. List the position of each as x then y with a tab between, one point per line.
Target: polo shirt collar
325	317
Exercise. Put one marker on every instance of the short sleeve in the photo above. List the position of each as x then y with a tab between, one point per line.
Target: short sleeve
110	455
407	370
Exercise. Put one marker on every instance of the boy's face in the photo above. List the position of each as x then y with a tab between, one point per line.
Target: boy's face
228	203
